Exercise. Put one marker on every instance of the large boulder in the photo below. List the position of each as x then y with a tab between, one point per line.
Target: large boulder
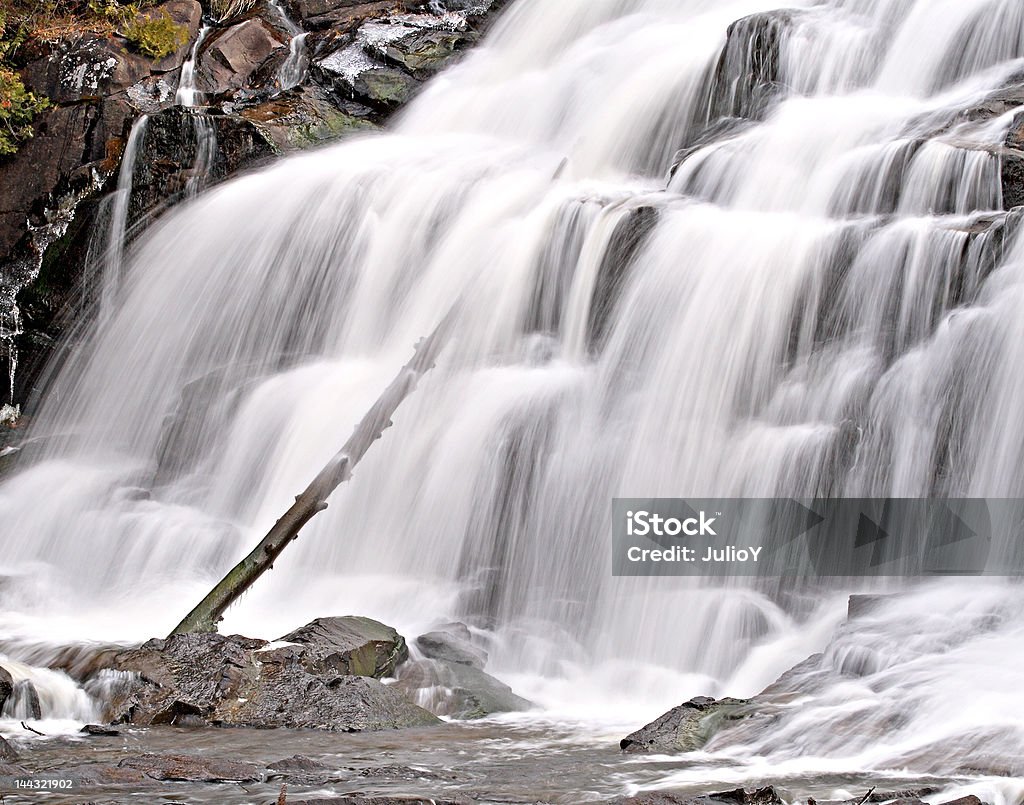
685	728
350	645
233	56
238	681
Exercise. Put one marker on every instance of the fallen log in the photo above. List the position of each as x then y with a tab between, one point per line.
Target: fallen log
313	500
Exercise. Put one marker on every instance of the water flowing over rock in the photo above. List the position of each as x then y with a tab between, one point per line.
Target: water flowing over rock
685	728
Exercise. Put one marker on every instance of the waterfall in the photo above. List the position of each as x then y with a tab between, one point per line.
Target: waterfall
189	96
713	247
119	206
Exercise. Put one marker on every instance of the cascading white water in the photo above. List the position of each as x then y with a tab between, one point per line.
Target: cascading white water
189	96
815	303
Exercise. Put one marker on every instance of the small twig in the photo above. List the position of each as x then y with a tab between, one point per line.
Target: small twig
865	797
282	798
37	732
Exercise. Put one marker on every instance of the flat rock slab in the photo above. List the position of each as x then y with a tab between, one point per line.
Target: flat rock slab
192	769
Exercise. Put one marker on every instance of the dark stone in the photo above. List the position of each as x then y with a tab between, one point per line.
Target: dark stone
452	645
746	77
168	160
685	728
192	769
298	770
739	796
99	730
861	605
6	686
235	681
25	700
350	645
1013	165
629	235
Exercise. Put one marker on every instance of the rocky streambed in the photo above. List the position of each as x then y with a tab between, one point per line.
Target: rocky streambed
345	710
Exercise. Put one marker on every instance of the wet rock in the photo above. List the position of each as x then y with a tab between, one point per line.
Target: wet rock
6	686
8	754
232	57
1013	165
739	796
307	116
192	769
237	681
343	15
457	690
748	72
171	159
424	52
384	89
25	701
628	237
298	770
358	800
96	774
9	770
350	645
453	645
99	730
860	605
685	728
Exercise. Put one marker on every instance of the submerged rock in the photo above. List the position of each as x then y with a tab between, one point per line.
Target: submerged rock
685	728
192	769
237	681
452	645
738	796
450	680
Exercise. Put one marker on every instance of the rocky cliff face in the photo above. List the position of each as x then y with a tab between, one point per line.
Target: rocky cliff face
235	94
